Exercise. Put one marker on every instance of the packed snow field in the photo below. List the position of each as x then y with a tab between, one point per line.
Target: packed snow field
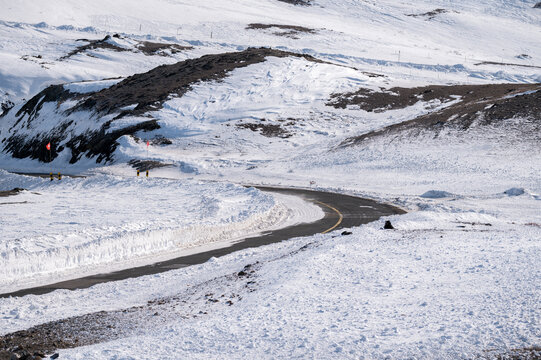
457	278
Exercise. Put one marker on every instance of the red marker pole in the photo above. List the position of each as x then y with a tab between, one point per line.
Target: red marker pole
48	147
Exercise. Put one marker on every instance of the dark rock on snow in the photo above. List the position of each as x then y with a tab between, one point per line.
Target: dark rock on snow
148	90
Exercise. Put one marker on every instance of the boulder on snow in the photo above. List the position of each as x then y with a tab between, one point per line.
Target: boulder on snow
514	192
388	225
436	194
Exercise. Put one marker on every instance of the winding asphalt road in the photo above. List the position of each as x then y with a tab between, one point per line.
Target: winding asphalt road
341	211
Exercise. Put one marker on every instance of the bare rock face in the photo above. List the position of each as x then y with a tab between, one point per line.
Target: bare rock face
537	6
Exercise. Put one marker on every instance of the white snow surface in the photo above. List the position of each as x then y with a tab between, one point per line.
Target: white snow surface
460	275
75	227
451	281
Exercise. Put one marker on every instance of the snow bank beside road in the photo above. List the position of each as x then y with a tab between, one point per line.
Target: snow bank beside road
59	230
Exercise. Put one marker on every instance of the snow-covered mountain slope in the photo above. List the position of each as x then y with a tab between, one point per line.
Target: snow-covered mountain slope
430	105
367	39
372	34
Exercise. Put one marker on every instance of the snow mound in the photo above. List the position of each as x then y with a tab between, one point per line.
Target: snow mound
436	194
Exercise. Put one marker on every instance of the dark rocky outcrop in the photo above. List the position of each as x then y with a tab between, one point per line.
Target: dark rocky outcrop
484	104
148	91
5	107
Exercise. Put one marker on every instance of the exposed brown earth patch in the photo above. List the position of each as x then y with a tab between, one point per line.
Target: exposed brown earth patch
265	129
394	98
483	104
291	31
163	49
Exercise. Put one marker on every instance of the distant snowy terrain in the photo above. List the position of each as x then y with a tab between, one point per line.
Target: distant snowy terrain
433	106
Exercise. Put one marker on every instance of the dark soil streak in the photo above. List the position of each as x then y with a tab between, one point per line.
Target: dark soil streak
93	45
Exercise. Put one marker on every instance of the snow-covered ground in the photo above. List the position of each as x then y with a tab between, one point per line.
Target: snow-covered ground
75	227
458	277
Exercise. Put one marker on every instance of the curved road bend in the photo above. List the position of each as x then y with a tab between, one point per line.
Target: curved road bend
341	211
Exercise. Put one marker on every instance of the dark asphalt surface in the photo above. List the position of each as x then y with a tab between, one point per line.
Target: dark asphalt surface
354	211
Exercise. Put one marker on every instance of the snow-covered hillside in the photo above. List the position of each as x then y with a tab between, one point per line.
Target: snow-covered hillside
433	106
408	45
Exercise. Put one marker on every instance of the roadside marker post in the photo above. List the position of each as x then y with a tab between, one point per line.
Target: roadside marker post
147	173
59	176
48	147
137	172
